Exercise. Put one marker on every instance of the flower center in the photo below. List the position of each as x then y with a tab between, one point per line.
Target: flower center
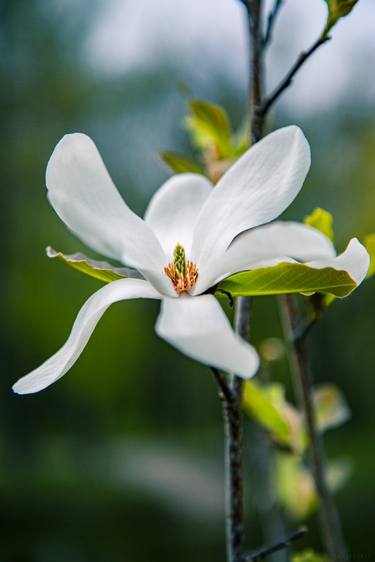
183	273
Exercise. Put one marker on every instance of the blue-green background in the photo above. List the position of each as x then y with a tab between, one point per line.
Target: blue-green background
121	460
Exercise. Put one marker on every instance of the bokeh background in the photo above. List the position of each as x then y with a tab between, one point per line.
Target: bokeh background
121	460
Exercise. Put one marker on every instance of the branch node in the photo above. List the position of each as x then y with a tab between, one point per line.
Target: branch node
271	22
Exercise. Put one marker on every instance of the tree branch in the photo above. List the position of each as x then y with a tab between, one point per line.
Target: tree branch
255	12
225	391
286	82
267	551
330	522
271	22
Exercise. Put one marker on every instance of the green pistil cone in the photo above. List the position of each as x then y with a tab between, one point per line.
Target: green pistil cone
179	259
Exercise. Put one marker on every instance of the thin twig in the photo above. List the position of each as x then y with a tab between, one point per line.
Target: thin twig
267	551
225	391
301	332
330	522
288	79
271	22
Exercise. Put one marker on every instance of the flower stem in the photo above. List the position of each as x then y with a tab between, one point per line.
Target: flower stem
232	408
234	479
329	517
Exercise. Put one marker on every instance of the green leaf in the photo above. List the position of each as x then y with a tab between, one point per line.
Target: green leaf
286	278
101	270
338	473
210	128
181	164
267	405
295	486
309	555
241	140
369	244
337	9
321	220
258	404
331	407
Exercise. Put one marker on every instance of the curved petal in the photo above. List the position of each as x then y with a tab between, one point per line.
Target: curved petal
199	328
355	260
85	198
276	241
256	190
173	210
89	315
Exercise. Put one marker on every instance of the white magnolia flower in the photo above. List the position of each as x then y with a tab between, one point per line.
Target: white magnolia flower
187	242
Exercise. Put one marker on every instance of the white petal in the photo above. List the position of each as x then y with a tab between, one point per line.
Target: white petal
275	242
85	198
355	260
173	210
256	190
85	323
199	328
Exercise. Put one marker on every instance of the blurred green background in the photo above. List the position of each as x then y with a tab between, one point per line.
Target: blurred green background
122	458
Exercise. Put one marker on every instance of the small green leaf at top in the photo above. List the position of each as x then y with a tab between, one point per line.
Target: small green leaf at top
181	164
369	244
287	278
100	270
321	220
210	128
331	407
337	9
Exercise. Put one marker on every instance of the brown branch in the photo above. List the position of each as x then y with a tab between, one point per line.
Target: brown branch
255	12
267	551
288	79
330	522
225	391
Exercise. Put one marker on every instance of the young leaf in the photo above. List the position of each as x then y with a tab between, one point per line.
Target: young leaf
295	486
369	244
267	405
321	220
338	473
286	278
258	404
210	127
181	164
241	140
331	407
309	556
101	270
337	9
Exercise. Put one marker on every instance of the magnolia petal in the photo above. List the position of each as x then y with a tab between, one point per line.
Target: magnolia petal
173	210
100	270
85	198
256	190
269	244
88	317
355	260
199	328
